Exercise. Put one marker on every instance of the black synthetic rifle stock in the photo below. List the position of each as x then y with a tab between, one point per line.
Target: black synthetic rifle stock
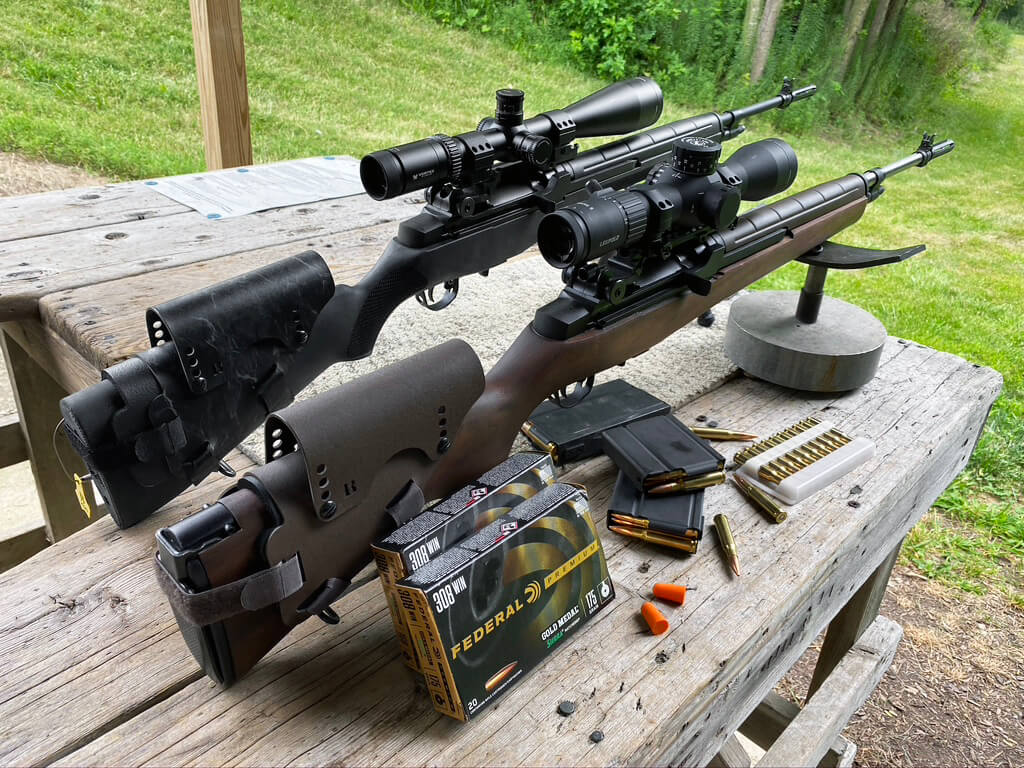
224	357
348	464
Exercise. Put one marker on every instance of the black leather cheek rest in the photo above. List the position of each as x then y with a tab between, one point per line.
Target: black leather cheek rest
238	329
348	433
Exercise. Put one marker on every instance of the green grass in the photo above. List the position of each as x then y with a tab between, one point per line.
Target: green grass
110	85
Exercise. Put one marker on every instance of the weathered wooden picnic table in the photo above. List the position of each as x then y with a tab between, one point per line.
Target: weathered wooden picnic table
95	672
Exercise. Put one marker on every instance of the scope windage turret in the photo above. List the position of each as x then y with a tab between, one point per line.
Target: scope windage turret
693	192
623	107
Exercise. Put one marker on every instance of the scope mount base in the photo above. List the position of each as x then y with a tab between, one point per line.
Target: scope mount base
806	340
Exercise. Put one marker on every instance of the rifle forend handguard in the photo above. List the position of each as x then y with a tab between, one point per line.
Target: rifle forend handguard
344	468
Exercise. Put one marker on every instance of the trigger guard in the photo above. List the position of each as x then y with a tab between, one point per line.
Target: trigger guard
426	298
563	399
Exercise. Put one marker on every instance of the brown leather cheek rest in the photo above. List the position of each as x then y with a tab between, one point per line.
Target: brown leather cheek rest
347	434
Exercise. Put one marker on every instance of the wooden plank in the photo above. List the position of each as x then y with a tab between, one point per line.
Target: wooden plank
21	546
88	256
851	622
27	216
54	355
842	759
342	695
842	693
223	93
773	715
13	448
37	395
87	641
105	323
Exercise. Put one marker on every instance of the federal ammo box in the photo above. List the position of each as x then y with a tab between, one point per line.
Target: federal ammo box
450	520
493	607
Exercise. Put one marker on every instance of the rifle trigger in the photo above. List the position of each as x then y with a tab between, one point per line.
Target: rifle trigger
328	616
426	298
564	399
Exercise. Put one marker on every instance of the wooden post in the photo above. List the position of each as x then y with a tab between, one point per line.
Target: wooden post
850	623
223	92
37	396
806	740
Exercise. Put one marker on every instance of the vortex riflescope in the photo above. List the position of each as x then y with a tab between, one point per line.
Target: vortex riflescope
622	107
694	191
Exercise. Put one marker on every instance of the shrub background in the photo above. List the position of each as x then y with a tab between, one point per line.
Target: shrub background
881	61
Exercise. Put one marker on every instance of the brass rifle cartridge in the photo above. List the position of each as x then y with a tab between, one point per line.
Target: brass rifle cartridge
636	522
687	484
657	538
712	433
728	542
761	500
641	523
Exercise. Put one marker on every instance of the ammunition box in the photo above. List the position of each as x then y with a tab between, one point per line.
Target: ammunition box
450	520
493	607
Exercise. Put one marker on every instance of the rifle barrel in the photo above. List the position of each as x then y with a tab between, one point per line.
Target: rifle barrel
920	157
781	101
626	161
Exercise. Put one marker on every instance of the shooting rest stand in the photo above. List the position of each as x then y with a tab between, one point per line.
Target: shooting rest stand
827	345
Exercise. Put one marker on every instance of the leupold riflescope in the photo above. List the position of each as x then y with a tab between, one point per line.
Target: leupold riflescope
693	192
620	108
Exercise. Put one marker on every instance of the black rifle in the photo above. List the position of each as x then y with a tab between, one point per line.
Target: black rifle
288	539
226	356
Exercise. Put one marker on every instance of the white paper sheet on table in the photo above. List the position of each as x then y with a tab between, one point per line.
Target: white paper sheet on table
238	191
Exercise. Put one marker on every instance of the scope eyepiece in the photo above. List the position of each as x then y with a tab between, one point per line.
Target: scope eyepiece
589	229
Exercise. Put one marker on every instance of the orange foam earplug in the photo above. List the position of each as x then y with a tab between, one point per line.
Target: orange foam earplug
655	619
675	593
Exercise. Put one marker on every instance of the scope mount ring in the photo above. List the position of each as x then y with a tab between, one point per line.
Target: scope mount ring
563	399
426	298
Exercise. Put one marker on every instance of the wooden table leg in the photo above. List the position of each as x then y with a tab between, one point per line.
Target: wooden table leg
37	396
731	755
848	625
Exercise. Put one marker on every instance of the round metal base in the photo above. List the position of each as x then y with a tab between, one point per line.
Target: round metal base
837	353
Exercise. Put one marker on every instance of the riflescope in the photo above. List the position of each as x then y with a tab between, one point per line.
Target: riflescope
620	108
693	192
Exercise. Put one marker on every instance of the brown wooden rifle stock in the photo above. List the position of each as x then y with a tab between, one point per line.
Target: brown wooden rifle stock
535	366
